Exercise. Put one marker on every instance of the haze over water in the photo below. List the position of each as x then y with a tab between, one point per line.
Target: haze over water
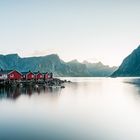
87	109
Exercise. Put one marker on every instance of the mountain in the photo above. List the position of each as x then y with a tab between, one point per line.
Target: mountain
130	65
78	68
52	63
99	70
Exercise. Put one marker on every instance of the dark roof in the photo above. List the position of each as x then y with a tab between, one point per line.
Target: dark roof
8	71
5	71
45	73
37	72
25	73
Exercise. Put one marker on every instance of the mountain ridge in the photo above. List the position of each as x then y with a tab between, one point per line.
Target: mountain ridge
53	63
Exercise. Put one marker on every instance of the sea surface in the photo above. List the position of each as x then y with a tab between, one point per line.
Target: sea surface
86	109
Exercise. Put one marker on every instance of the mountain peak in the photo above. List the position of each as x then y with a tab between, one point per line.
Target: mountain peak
74	61
13	54
54	56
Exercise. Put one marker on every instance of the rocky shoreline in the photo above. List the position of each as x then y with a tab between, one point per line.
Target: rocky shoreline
54	82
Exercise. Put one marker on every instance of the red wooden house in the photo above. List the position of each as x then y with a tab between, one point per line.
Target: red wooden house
28	75
10	75
38	75
46	75
14	75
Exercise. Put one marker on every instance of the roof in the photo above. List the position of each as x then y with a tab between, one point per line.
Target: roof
45	73
25	73
5	71
37	72
8	71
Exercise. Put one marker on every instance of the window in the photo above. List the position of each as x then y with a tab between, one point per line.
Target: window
11	75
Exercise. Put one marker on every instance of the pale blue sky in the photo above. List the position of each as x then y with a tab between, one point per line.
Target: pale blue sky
94	30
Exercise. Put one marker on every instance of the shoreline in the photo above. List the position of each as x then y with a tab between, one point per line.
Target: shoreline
54	82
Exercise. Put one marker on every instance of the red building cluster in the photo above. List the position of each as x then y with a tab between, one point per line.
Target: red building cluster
16	75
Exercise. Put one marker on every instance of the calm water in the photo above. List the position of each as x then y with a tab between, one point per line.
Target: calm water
87	109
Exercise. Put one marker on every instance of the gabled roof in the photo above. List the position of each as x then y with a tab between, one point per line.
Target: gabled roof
25	73
45	73
8	71
37	73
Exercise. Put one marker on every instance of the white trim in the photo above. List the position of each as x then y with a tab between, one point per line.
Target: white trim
13	71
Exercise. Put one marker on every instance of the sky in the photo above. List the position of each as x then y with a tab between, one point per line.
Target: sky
93	30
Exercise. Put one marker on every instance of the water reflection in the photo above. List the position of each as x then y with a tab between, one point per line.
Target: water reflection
134	81
16	92
87	109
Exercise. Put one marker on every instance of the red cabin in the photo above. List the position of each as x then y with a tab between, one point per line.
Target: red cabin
38	75
46	76
14	75
10	75
28	75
